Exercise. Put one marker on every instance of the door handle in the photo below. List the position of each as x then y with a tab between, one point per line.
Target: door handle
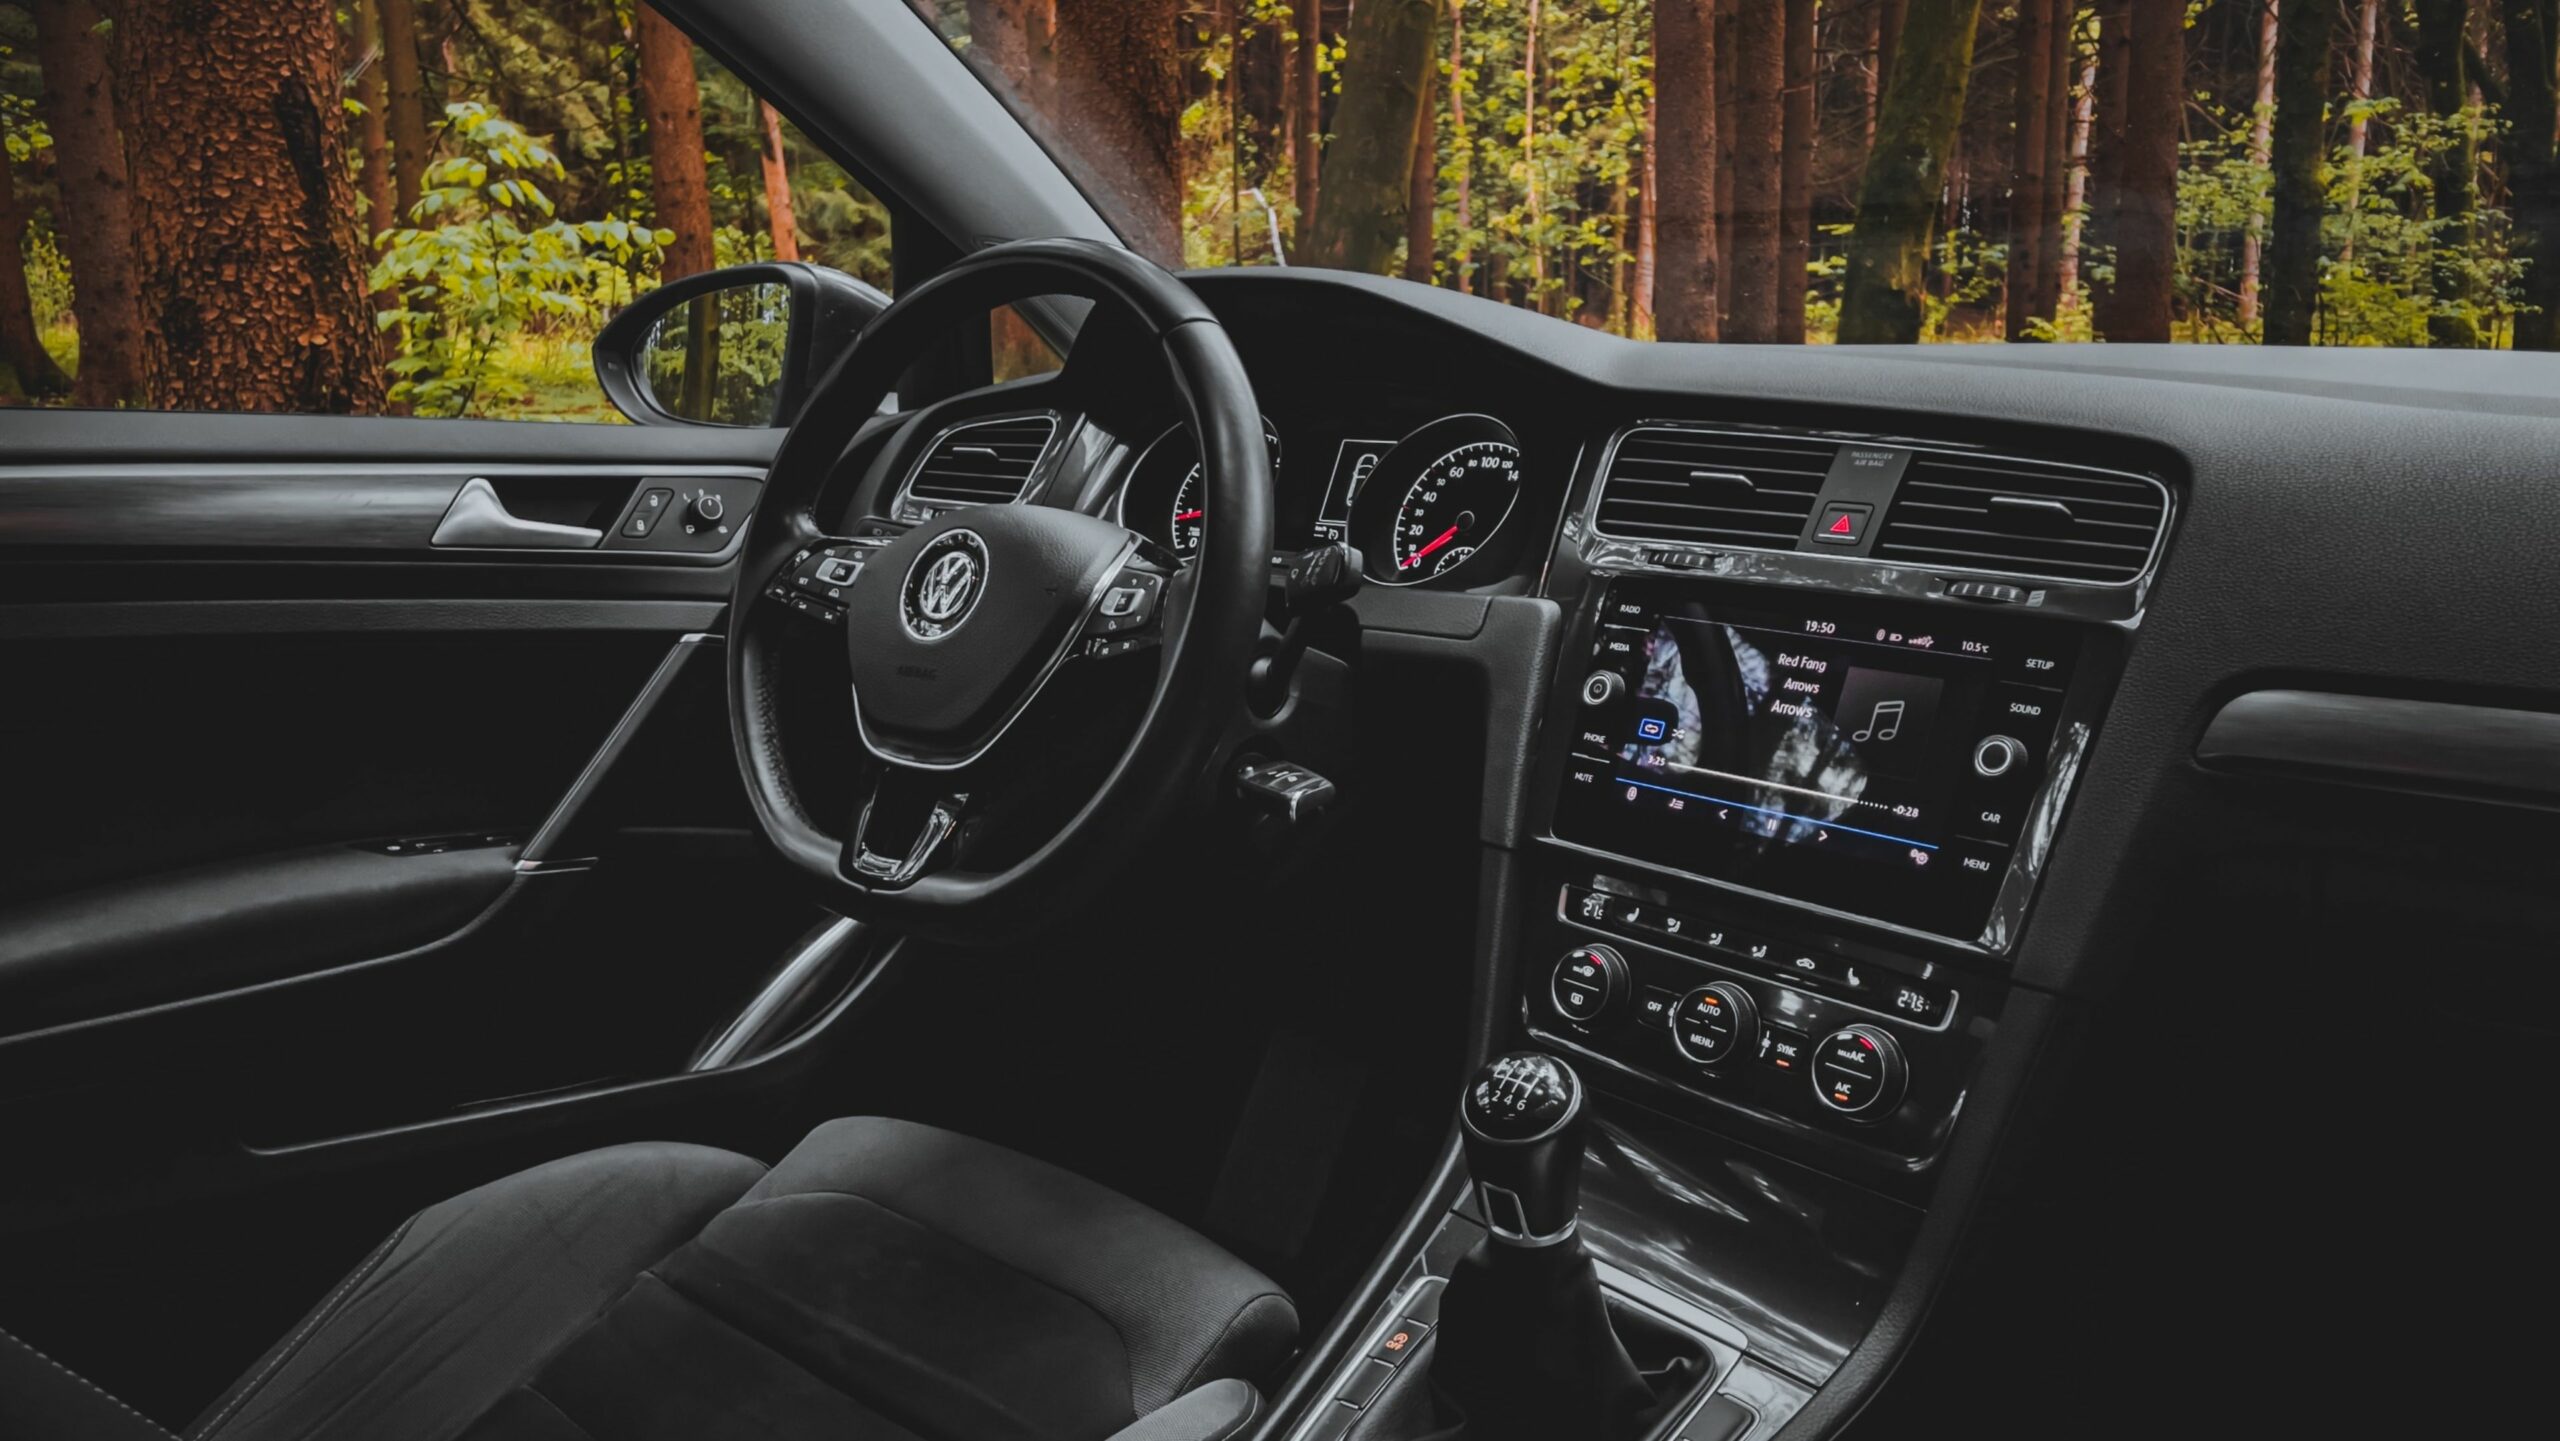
479	518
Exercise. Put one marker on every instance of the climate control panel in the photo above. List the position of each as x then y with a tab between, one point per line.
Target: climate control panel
1808	1035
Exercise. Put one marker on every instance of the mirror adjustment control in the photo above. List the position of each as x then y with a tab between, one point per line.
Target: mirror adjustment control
1714	1022
1588	983
1859	1071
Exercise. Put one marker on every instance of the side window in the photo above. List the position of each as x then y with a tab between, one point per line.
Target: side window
375	207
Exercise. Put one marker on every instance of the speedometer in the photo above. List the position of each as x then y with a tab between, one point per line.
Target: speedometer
1437	499
1452	506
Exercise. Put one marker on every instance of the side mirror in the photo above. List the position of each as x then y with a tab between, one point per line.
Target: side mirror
740	345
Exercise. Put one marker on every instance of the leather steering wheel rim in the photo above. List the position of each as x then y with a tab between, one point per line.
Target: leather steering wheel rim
1213	615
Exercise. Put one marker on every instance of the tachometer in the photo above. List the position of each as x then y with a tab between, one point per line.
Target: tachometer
1166	497
1437	499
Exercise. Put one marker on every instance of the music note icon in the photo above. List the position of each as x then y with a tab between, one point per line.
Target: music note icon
1888	716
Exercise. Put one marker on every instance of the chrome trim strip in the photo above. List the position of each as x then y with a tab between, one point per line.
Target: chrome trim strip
1840	565
789	981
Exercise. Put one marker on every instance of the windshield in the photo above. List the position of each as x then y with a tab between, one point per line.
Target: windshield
2332	172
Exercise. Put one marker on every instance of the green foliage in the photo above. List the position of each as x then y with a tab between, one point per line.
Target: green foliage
483	262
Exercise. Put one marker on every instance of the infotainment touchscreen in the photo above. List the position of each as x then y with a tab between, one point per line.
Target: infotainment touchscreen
1874	757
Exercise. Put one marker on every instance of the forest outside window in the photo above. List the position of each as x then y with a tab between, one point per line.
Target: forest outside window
2336	172
375	207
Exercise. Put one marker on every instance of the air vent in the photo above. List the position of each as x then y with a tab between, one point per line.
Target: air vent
1712	487
2058	522
986	462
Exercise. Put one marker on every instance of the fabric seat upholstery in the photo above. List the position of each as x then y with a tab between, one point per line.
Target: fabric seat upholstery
885	1282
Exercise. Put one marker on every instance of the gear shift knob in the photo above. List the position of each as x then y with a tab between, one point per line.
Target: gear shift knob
1521	1120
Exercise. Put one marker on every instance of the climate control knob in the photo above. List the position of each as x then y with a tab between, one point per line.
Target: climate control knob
1715	1023
1859	1071
1588	983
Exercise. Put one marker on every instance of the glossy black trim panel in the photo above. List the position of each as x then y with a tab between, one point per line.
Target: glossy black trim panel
2427	747
83	620
290	506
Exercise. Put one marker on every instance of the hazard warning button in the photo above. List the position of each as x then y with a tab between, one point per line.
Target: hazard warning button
1842	524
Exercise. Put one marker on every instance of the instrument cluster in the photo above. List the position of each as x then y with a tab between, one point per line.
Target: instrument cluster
1421	508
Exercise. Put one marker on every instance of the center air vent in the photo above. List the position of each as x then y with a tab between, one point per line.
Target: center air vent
985	462
1712	487
2031	518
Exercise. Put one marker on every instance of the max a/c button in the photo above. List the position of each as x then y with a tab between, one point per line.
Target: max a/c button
1843	524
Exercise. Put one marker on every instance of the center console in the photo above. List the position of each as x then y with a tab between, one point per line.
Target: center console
1787	818
1790	835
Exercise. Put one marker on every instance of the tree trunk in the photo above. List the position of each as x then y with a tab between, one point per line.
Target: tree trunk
29	368
679	184
251	267
1368	169
2107	128
1727	89
1422	197
999	37
1758	115
2034	90
2057	150
1684	191
93	216
2359	88
1529	153
778	214
2261	143
1898	199
2146	236
2533	172
2075	193
1310	102
1795	176
2293	240
1117	72
1640	322
373	131
1462	260
2451	172
408	106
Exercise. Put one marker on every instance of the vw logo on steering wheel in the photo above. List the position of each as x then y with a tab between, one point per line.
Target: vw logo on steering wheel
944	584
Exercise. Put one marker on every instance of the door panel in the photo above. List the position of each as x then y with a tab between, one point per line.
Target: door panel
246	1022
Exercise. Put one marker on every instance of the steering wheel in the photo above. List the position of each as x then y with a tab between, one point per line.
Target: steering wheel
956	627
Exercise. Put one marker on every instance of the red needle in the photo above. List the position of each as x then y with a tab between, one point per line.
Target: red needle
1442	539
1189	515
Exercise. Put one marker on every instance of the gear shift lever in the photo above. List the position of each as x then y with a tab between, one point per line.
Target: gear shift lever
1522	1123
1525	1346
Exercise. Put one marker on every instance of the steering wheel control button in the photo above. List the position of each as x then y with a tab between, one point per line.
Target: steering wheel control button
1604	687
1713	1022
1129	604
1588	983
1859	1071
1842	525
1996	756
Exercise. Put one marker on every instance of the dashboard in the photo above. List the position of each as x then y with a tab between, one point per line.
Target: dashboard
1870	738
